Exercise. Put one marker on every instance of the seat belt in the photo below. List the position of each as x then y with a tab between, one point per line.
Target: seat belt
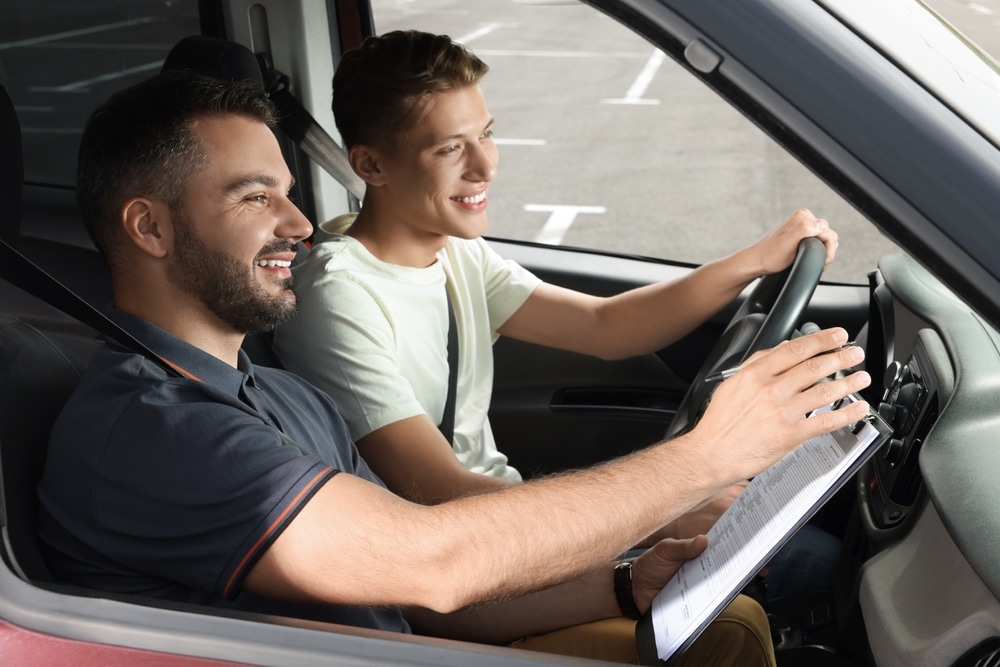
447	425
21	272
303	129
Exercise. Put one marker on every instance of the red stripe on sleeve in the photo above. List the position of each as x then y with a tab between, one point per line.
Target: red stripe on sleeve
274	526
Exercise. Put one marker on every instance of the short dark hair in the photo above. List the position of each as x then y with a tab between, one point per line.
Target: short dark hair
140	143
380	89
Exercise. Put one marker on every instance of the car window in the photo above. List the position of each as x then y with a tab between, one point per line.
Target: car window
607	144
63	59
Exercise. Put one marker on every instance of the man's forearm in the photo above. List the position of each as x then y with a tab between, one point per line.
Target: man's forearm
535	521
587	598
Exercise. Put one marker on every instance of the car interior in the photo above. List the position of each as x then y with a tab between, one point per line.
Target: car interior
909	533
41	375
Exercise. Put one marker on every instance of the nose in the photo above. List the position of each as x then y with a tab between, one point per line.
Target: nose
293	224
482	161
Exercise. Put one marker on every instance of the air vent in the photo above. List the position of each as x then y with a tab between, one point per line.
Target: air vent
984	654
907	483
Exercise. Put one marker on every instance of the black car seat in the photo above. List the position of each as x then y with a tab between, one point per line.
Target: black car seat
36	378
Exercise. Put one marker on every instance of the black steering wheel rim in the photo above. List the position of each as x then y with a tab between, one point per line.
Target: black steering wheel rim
769	315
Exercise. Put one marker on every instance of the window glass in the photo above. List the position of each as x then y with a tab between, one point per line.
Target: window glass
64	57
607	144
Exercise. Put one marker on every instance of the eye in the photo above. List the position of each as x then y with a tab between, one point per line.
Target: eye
488	134
447	150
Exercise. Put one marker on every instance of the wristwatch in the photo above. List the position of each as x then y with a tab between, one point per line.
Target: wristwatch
623	590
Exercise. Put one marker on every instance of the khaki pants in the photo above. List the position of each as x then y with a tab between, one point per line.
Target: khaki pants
739	636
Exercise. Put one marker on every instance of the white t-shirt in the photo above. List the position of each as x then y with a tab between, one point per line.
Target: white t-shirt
375	335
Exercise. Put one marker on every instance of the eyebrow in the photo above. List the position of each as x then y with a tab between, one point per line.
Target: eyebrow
250	181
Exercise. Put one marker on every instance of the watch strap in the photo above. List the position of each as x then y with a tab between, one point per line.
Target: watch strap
623	590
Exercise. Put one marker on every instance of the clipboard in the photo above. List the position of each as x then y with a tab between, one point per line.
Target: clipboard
773	507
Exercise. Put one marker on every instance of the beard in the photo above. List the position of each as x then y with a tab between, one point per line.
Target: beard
227	286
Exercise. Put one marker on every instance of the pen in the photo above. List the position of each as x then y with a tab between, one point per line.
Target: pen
730	372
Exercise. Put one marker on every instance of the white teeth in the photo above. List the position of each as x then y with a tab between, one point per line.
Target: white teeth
272	263
472	200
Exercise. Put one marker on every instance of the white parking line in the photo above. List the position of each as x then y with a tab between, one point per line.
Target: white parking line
560	221
74	33
83	86
485	29
641	83
413	8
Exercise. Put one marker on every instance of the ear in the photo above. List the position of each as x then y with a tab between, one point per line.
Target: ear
148	225
366	162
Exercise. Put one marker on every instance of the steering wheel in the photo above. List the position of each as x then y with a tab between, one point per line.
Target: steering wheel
768	316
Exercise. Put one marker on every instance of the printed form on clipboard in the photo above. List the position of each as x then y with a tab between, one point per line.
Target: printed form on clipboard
770	510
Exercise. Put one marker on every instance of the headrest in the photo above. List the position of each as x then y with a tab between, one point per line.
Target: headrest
216	57
11	169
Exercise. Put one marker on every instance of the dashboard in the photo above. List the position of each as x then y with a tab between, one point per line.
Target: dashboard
917	377
928	578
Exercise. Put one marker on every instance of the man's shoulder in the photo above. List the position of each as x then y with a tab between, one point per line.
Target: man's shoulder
474	261
115	382
295	390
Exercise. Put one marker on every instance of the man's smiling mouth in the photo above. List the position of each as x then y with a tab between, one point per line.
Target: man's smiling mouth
475	199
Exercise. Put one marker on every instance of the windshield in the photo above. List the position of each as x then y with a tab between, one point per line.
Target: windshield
934	52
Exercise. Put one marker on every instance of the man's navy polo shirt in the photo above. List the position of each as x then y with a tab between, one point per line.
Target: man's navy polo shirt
172	487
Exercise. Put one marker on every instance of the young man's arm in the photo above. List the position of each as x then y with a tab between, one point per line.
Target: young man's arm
415	461
649	318
356	543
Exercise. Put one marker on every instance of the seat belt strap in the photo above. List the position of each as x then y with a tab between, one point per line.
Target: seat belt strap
447	425
303	129
21	272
